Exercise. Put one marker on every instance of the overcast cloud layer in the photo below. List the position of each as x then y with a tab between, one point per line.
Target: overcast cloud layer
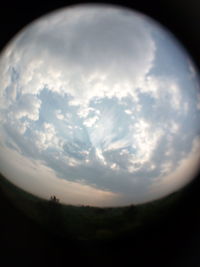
99	106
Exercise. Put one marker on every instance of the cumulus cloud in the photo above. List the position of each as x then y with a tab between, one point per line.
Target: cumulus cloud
47	137
90	121
27	106
90	60
145	140
83	85
163	89
59	115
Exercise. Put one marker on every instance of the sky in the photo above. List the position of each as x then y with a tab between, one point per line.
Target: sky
100	106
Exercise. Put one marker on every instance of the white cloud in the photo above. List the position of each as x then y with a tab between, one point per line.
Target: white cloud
119	144
27	106
173	127
164	89
175	96
95	62
183	173
47	137
23	126
142	137
103	132
84	111
59	115
144	140
128	111
151	85
90	121
100	156
114	166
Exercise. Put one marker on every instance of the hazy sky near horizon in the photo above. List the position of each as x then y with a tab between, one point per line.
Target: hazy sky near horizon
99	106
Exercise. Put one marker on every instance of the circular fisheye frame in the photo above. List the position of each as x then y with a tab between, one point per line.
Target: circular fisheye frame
99	106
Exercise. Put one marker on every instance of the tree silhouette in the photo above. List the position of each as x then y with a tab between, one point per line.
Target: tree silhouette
54	199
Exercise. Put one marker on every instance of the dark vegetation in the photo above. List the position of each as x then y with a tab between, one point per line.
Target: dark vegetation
90	223
163	233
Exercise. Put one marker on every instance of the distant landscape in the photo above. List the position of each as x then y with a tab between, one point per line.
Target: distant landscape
91	223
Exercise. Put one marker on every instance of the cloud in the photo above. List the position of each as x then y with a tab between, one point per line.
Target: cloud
174	127
198	101
90	56
192	69
27	106
77	149
166	167
103	132
183	173
145	140
90	121
59	115
47	184
82	103
175	96
84	111
162	89
128	111
47	137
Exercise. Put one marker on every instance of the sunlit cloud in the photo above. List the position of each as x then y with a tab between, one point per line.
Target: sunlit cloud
92	111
